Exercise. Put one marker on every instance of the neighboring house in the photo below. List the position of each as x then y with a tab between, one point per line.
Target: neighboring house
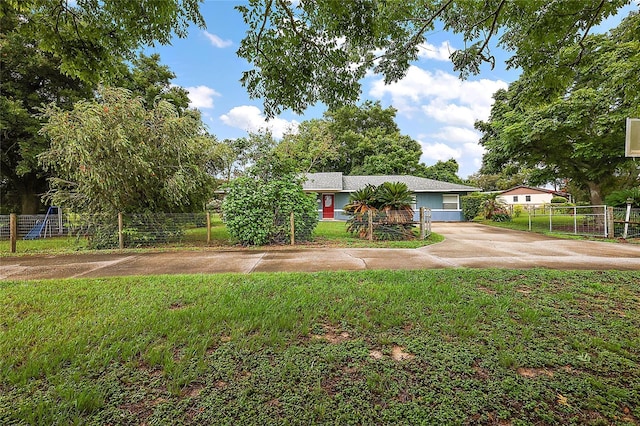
526	195
333	189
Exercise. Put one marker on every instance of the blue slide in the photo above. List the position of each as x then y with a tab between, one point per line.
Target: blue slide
36	231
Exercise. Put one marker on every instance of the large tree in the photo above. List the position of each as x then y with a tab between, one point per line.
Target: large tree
29	78
115	155
92	38
576	131
310	51
353	139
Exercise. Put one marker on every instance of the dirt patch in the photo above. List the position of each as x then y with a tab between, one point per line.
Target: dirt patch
398	353
376	354
333	335
487	290
176	306
193	390
532	373
480	371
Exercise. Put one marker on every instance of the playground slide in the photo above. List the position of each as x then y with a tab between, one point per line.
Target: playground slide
36	231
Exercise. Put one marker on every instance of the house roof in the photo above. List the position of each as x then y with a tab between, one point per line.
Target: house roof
523	189
337	182
323	181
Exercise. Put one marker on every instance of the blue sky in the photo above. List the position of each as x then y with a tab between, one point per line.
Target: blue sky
434	106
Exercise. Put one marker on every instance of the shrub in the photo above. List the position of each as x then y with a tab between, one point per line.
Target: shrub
517	210
471	205
258	212
558	200
390	205
619	198
501	217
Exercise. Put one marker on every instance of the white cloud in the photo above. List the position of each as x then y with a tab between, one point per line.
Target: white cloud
437	151
217	41
441	53
439	90
454	134
449	113
250	119
201	96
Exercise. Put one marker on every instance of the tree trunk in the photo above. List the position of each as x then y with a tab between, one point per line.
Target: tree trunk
595	195
29	203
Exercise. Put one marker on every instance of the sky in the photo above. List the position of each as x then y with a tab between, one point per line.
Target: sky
433	105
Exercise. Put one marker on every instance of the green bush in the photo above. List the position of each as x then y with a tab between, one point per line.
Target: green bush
558	200
619	198
472	205
501	217
258	212
517	210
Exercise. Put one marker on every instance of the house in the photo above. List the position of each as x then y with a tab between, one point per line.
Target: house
333	189
527	195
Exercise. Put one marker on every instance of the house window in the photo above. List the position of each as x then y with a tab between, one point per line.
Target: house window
527	198
515	198
450	202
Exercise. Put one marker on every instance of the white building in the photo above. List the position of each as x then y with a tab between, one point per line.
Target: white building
526	195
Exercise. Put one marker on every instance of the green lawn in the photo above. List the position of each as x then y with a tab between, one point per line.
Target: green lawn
326	234
373	347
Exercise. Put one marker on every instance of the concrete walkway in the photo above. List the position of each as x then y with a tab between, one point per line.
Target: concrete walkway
466	245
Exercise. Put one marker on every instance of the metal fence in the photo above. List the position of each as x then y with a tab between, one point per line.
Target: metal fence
113	231
40	224
598	221
626	222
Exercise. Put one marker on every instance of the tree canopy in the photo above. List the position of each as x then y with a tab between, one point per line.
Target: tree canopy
318	51
114	155
92	38
575	131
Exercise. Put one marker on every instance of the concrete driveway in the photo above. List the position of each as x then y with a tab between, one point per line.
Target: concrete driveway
466	245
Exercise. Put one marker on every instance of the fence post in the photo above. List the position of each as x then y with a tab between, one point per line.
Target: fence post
60	222
609	228
293	229
534	212
575	220
13	231
627	218
550	219
422	224
120	234
208	228
370	225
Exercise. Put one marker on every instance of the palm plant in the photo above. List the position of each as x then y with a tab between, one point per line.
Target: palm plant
395	200
362	200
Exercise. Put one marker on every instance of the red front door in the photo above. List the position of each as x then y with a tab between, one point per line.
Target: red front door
327	206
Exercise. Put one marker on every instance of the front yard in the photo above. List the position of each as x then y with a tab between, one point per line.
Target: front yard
376	347
330	233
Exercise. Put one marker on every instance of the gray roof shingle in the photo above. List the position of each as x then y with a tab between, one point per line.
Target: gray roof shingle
323	181
335	181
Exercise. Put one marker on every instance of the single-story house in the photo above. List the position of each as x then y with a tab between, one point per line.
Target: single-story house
527	195
333	189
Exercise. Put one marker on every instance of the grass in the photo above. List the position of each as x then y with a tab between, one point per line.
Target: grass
373	347
331	234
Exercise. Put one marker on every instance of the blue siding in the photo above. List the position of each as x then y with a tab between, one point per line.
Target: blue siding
431	200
